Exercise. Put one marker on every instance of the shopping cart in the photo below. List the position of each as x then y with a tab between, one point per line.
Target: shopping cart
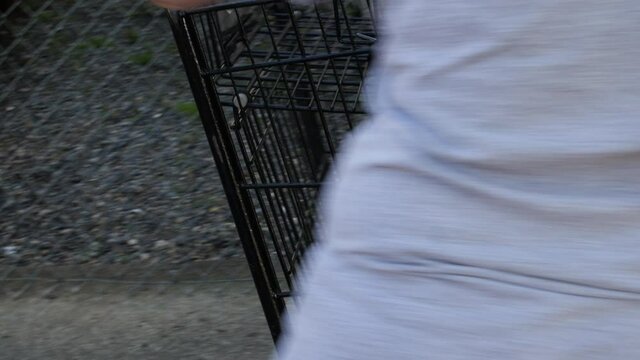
277	87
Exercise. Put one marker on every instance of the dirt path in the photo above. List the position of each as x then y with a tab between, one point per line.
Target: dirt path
220	320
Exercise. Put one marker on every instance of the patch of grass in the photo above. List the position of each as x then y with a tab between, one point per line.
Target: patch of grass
171	48
47	16
94	42
98	41
188	108
142	58
190	138
131	35
79	49
60	41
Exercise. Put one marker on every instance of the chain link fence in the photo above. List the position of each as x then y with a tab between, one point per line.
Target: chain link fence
106	179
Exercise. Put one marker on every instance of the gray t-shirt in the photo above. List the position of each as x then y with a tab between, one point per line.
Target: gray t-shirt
527	112
491	207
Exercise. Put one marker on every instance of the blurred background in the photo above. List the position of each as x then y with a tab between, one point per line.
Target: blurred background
115	236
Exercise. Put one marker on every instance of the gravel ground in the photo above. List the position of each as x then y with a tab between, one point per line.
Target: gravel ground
219	320
102	158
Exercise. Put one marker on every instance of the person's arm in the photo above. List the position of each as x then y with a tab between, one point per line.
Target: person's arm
183	4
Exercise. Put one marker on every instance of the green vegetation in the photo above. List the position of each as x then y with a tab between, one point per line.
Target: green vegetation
47	16
131	35
142	58
98	41
188	108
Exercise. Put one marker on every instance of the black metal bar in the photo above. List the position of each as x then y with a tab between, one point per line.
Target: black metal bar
295	108
265	202
284	294
284	165
303	200
245	219
288	61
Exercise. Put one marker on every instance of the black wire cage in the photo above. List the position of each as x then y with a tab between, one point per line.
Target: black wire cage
277	87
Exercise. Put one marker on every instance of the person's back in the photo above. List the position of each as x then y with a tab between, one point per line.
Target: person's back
526	112
491	207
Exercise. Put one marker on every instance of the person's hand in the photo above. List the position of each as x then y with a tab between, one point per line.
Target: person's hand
183	4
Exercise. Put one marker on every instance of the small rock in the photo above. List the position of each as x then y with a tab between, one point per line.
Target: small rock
132	242
44	212
161	244
42	175
10	108
115	241
10	251
227	252
181	242
137	211
144	256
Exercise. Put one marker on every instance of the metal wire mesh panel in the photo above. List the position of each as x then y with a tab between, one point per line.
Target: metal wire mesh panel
277	87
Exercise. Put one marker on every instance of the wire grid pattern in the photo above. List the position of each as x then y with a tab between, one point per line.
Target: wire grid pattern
289	83
103	163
